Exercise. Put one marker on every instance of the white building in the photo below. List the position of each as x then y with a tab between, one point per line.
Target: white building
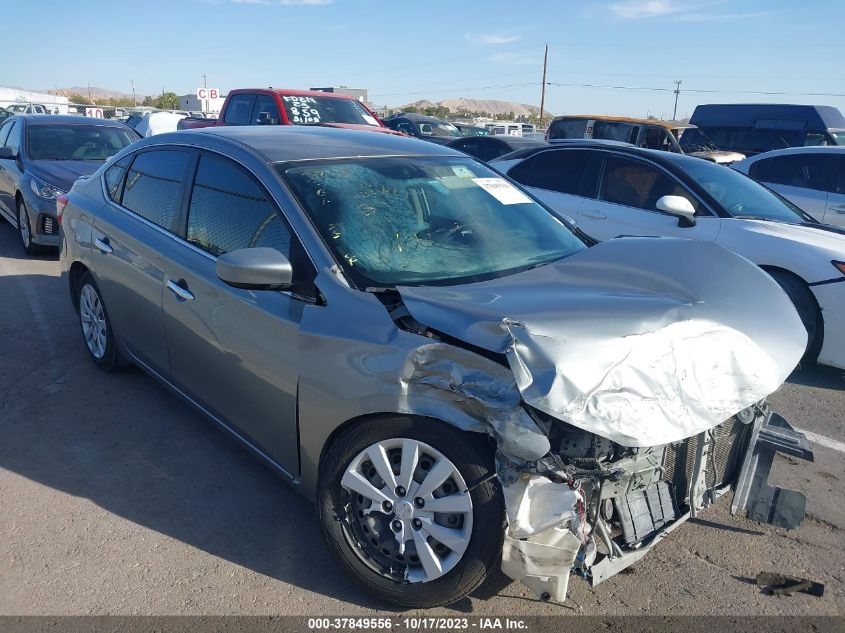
191	103
9	96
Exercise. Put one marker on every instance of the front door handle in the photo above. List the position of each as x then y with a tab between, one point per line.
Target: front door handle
594	215
103	244
178	288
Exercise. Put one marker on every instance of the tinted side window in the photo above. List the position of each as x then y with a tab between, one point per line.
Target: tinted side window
265	103
636	184
560	171
229	210
759	170
114	178
808	171
568	128
153	184
237	112
13	141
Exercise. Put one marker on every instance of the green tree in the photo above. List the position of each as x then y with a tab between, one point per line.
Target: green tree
77	98
167	101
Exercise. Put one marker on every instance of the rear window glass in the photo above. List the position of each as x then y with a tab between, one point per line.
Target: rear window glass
568	128
153	185
76	142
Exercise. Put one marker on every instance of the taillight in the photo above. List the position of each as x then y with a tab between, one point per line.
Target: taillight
61	203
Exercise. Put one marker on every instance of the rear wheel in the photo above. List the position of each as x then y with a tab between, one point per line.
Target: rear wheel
805	305
96	329
395	514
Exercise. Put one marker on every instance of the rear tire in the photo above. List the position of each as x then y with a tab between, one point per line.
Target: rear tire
807	308
363	537
96	327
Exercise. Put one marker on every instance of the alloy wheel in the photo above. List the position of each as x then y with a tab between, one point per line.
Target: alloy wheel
408	512
23	225
93	319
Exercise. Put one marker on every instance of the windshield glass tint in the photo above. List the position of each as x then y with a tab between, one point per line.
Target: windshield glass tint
76	142
838	137
420	220
739	195
316	110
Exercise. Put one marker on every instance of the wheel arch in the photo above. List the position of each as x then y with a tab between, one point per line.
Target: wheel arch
76	272
820	324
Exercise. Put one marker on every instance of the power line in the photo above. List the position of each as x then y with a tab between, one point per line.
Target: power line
701	90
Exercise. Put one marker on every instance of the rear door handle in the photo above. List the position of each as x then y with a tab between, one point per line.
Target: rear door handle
594	215
103	244
178	288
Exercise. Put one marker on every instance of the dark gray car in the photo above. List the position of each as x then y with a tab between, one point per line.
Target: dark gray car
433	357
40	158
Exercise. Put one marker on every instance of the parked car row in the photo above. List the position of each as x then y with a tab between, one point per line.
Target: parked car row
448	366
463	363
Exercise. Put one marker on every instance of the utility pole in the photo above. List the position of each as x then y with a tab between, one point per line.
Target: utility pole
134	101
205	85
677	92
89	92
543	92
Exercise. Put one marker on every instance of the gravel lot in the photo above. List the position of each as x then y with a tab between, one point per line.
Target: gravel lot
116	498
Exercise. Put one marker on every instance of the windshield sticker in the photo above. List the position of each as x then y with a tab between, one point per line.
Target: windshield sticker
302	109
502	190
463	172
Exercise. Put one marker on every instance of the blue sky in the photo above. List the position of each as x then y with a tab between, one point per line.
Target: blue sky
442	49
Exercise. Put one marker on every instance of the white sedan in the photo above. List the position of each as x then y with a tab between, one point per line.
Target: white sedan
811	177
615	190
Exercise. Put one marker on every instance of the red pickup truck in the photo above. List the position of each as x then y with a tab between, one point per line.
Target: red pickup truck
260	106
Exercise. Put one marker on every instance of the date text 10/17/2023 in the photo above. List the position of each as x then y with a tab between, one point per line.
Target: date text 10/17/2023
417	623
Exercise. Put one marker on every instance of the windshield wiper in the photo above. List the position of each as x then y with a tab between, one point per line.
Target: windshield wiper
756	217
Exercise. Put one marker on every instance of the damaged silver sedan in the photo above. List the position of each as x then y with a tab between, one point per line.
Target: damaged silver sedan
449	370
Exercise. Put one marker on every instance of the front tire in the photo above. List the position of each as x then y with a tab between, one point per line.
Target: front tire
395	515
25	230
96	328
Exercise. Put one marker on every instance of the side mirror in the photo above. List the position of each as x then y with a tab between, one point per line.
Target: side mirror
678	206
255	269
7	153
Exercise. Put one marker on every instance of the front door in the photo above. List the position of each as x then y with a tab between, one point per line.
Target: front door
234	351
625	205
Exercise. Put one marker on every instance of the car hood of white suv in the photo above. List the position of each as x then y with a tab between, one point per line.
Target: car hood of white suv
644	341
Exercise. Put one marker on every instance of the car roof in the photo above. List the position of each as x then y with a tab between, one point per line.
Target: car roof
281	143
812	149
747	114
412	116
623	119
296	93
59	119
669	159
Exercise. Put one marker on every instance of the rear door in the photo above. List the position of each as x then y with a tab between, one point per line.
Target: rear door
235	351
805	179
835	210
133	240
561	178
628	191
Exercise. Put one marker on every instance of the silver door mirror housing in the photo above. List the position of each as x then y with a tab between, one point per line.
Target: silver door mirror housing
679	206
258	268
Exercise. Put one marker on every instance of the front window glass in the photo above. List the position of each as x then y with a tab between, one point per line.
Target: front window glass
838	137
229	210
316	110
438	128
739	195
615	131
636	184
425	220
76	142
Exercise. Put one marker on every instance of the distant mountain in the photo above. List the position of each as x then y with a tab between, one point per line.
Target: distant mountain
488	107
96	93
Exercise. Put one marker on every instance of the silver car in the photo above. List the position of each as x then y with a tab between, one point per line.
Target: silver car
812	178
419	346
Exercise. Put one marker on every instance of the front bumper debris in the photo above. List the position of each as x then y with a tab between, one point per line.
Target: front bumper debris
761	502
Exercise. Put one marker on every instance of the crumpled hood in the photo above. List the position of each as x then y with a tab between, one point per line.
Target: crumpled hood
62	173
644	341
